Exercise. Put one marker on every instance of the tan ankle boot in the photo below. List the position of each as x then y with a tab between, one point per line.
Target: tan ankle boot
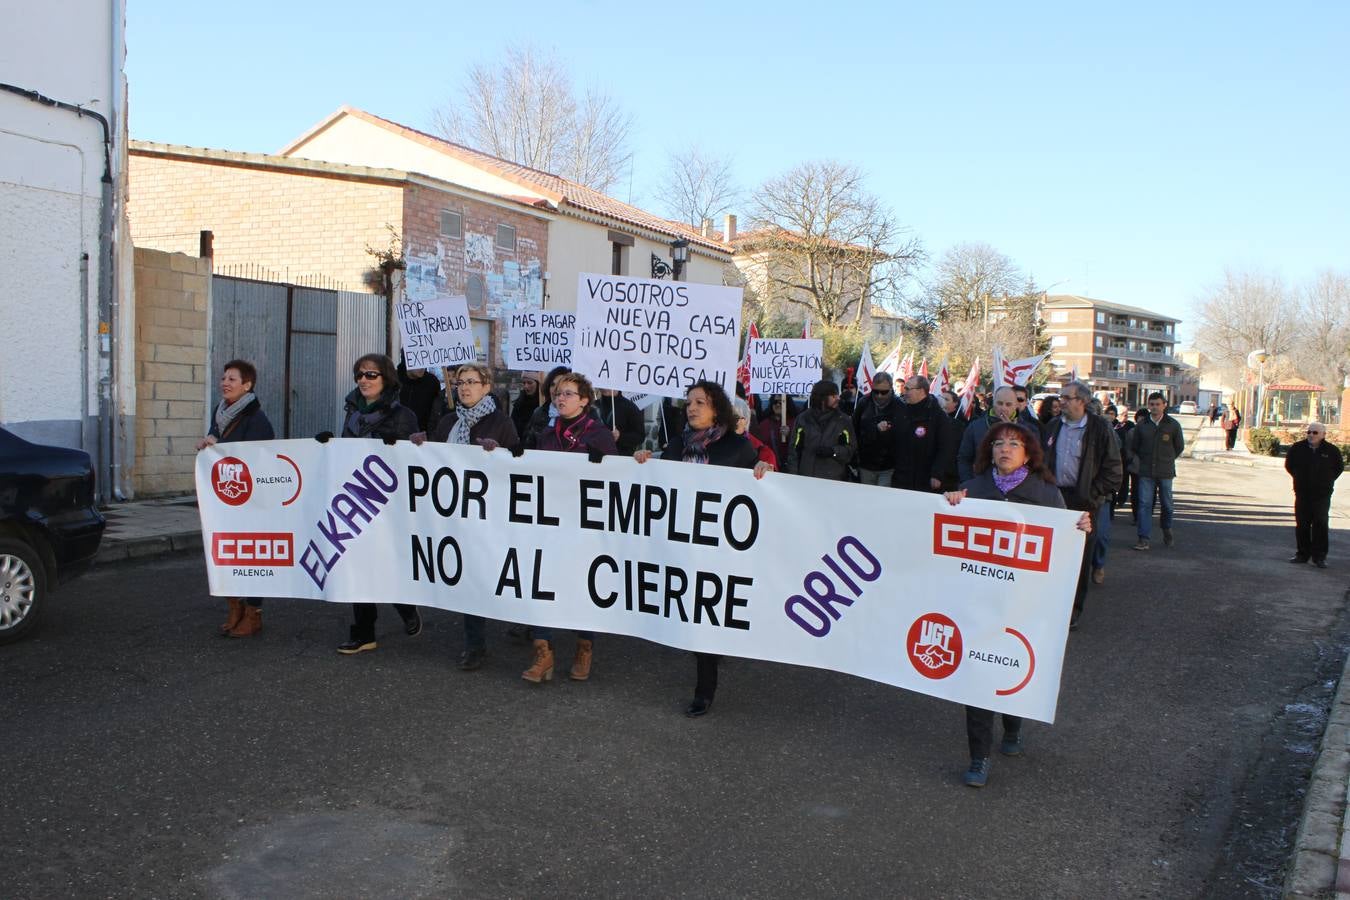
581	663
542	669
236	613
251	623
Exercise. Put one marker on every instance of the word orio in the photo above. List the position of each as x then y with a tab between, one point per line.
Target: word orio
1013	544
817	614
359	501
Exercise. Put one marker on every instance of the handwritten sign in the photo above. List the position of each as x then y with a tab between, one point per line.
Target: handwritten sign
540	339
785	366
435	332
656	337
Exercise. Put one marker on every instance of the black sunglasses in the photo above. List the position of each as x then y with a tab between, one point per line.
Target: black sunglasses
366	373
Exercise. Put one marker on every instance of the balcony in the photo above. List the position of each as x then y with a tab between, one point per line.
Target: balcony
1154	334
1125	353
1135	377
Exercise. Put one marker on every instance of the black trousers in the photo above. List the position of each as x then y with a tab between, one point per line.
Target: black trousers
1230	438
1073	501
980	730
1310	525
706	685
364	615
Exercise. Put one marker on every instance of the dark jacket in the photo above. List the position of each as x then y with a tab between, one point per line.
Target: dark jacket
924	446
251	424
1315	471
1099	470
1156	447
418	395
496	426
623	414
538	424
876	448
586	434
1034	490
521	410
821	445
388	419
731	449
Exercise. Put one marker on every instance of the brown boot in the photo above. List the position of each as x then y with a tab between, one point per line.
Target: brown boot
236	613
250	625
542	669
581	663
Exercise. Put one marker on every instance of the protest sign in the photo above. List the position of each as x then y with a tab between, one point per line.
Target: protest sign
791	366
655	337
972	605
538	340
436	332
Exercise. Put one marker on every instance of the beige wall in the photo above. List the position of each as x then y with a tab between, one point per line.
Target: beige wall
172	298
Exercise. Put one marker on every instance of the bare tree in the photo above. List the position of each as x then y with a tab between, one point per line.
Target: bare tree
824	243
1246	311
970	282
525	109
696	186
1321	348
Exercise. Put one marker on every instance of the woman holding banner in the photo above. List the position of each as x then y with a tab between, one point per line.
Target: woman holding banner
239	417
547	412
574	431
373	410
476	419
709	438
1009	466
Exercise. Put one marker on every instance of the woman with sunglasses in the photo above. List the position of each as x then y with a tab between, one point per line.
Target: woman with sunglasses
574	430
1009	466
373	410
476	419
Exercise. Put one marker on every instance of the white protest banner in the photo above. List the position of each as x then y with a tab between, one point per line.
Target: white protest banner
436	332
656	337
970	603
789	366
538	340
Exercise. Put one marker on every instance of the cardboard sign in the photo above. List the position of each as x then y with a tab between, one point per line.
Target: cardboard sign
436	332
785	366
538	340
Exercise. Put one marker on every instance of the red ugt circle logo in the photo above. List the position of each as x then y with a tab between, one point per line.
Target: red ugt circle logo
934	645
232	481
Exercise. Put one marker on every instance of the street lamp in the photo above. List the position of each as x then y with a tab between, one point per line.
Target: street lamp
1257	360
679	252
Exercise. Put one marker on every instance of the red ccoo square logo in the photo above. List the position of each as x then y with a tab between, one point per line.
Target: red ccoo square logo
991	541
251	548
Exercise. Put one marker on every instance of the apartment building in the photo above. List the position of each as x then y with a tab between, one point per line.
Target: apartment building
1121	351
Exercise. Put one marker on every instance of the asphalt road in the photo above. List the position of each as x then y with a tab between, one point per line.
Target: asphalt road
145	757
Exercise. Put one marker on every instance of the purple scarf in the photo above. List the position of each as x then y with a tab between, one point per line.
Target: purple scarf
696	442
1005	483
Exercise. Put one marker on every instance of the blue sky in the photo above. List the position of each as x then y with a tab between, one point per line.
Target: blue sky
1129	154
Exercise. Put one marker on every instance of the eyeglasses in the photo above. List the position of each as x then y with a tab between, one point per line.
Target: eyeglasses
368	374
467	382
567	394
1015	445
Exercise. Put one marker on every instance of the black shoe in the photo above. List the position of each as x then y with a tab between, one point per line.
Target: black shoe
353	647
471	659
698	707
412	625
1296	558
1320	563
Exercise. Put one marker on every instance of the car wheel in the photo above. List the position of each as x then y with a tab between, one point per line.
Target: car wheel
23	589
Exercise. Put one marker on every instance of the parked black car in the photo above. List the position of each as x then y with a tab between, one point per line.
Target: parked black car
49	526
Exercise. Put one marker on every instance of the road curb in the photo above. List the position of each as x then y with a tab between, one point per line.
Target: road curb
115	551
1319	866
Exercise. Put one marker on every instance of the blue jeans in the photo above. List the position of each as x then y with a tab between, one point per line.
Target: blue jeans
1146	486
1101	534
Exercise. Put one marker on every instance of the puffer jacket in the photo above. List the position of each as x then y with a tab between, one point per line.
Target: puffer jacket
821	430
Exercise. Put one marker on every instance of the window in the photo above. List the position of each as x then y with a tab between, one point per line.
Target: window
452	223
1059	315
1059	340
506	237
1101	318
1101	342
618	259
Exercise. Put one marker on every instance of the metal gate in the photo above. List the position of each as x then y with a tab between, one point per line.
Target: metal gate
303	341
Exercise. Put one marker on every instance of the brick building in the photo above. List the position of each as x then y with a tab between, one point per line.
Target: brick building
302	220
1120	350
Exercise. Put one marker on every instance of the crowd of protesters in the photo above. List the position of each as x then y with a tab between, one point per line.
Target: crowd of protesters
1067	452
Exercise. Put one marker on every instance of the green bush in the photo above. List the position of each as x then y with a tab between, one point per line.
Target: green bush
1263	441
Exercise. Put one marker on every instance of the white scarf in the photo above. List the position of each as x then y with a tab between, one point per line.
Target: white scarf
469	416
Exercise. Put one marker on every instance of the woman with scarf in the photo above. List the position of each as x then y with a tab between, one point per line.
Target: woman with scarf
546	414
574	430
239	417
709	438
476	419
373	410
1009	466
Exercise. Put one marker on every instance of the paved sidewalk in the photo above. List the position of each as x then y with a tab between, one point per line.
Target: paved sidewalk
143	528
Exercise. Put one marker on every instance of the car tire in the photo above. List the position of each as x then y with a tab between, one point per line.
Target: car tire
23	589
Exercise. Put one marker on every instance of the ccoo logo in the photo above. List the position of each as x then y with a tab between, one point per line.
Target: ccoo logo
234	548
1012	544
232	481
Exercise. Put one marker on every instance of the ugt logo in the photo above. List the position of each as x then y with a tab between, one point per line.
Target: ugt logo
232	481
934	645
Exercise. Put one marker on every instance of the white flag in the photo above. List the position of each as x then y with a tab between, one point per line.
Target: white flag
866	369
891	364
1014	372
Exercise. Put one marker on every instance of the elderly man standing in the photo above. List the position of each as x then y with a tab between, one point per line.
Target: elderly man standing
1315	464
1081	450
1005	410
874	424
1155	443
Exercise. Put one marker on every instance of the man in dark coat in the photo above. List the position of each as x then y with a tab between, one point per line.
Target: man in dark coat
822	443
623	418
925	452
418	390
874	426
1155	444
1082	451
1315	464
